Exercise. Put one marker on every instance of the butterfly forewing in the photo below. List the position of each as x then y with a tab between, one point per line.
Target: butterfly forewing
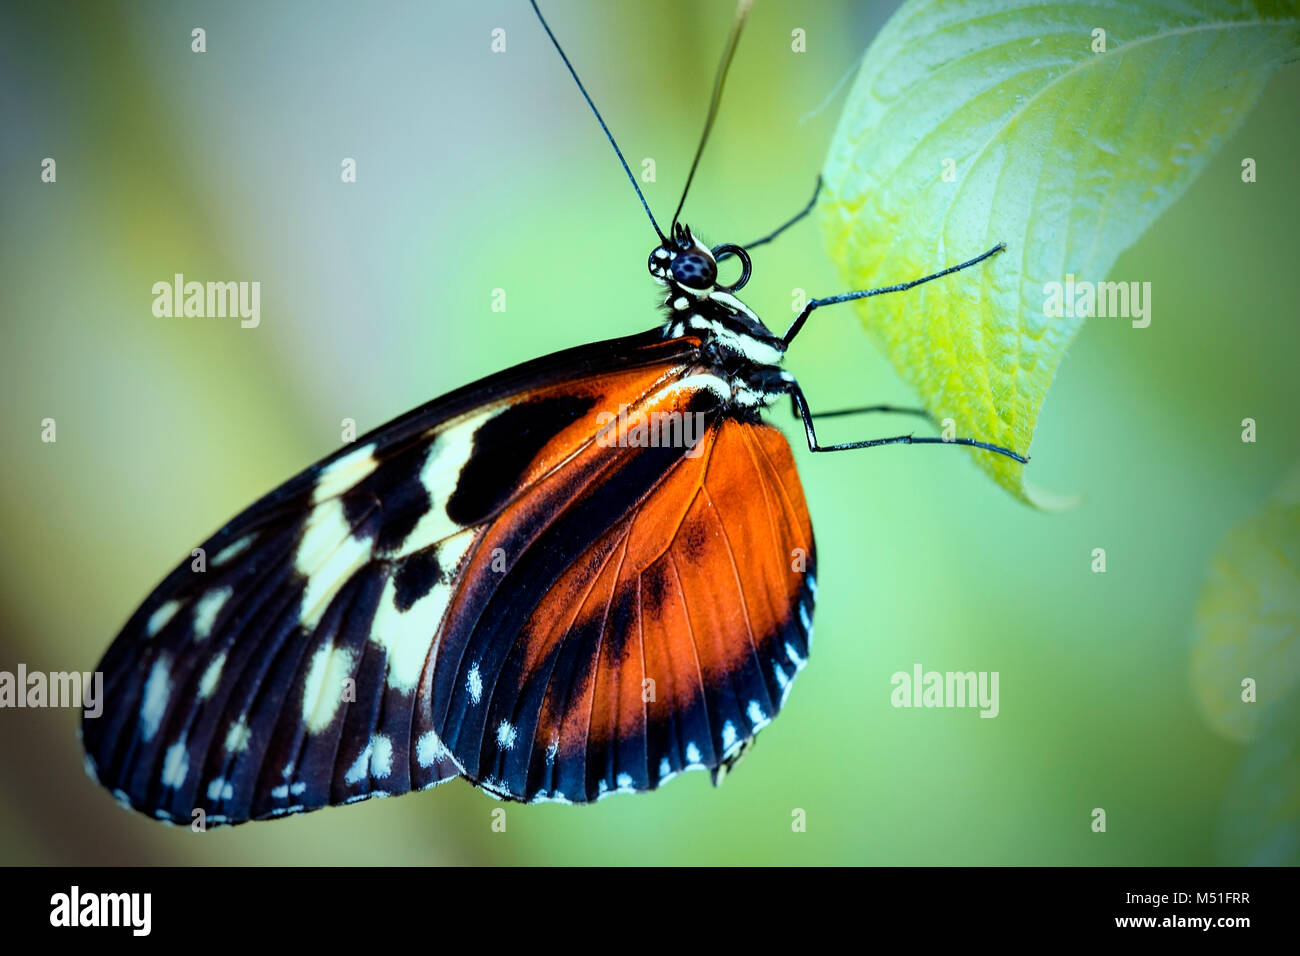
292	672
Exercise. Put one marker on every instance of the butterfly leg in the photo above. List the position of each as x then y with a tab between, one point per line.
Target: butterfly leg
864	410
865	293
801	406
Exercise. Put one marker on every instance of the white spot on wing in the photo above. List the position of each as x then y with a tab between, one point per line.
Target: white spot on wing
207	609
361	766
327	556
342	474
211	675
556	797
322	693
237	736
693	754
728	735
365	796
440	474
381	758
429	749
407	636
220	789
755	714
232	549
176	764
788	682
474	684
157	691
159	618
505	734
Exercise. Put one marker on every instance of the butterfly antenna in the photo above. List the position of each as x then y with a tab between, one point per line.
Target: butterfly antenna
742	14
599	119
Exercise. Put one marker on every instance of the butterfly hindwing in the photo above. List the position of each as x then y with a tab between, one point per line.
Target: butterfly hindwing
651	606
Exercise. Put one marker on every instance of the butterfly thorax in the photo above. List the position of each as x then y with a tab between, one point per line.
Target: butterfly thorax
735	344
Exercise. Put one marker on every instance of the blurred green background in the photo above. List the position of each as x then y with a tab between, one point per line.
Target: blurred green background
479	171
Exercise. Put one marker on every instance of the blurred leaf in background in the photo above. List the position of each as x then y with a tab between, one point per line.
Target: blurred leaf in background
1261	811
1061	129
1248	619
1246	676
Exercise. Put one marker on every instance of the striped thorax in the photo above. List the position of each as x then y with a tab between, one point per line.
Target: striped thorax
737	346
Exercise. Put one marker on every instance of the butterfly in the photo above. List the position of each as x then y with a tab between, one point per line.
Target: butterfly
580	576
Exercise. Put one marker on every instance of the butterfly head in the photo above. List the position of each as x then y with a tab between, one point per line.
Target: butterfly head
689	268
682	261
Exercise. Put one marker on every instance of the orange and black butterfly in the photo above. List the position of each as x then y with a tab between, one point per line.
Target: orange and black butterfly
580	576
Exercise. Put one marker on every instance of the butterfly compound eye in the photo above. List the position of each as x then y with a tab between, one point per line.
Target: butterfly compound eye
694	270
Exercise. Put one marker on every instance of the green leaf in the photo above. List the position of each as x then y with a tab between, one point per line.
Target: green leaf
1065	154
1248	618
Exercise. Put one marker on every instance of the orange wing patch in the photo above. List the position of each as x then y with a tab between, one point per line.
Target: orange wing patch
651	611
